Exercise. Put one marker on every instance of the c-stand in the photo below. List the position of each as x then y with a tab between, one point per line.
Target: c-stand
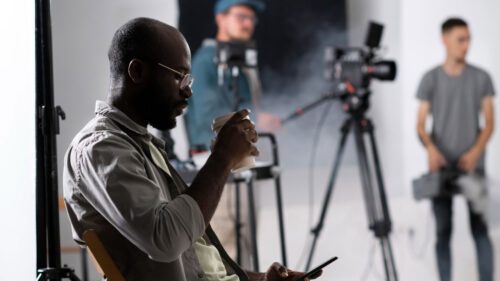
231	56
47	127
356	104
234	56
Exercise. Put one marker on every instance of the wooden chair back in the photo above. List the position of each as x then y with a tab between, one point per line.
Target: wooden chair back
100	257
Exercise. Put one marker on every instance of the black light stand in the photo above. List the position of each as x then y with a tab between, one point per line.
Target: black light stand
47	127
235	78
374	194
233	55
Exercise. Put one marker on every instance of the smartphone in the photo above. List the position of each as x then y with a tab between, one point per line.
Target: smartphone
315	270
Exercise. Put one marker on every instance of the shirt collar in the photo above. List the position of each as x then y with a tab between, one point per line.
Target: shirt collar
104	109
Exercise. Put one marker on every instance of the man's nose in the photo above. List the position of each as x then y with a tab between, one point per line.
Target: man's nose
187	92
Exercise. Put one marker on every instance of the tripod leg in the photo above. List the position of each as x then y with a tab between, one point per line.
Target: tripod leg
378	171
85	270
390	266
316	230
253	225
366	177
281	219
237	223
385	208
375	200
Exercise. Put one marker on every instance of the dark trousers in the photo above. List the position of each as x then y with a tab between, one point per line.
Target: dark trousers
442	208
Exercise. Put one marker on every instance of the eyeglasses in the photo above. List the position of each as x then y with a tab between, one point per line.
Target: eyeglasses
186	81
243	17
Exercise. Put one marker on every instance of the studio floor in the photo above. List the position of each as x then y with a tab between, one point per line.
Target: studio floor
346	235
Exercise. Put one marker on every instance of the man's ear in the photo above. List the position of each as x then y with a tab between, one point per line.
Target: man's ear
444	38
137	71
219	18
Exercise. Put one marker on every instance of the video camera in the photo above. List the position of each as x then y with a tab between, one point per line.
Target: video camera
232	55
351	70
236	53
358	65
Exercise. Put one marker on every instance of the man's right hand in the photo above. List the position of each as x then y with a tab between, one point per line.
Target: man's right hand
236	139
436	159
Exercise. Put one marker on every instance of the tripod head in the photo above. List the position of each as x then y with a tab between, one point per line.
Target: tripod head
351	71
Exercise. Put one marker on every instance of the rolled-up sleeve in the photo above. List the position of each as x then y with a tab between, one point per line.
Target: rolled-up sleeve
113	178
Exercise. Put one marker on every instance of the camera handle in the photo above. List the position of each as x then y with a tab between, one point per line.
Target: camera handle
301	110
355	101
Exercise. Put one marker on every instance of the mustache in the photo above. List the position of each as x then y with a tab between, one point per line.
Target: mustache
183	103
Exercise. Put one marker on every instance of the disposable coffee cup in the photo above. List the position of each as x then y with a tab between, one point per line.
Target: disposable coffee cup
249	161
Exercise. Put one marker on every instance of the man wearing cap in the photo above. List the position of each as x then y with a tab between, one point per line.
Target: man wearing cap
236	20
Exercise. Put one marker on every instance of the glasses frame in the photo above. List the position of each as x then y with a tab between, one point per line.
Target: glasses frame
187	79
242	17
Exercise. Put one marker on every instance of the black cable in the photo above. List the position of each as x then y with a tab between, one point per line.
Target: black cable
314	148
312	160
419	252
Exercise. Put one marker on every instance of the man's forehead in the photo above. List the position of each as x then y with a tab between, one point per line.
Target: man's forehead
458	31
174	48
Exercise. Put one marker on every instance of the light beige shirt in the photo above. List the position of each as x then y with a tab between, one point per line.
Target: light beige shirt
211	262
112	184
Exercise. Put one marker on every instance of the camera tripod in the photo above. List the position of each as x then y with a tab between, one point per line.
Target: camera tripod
374	194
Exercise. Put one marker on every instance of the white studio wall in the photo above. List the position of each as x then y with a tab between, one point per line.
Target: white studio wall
412	37
422	49
17	141
82	32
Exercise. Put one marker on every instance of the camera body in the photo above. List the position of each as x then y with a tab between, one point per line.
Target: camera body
232	56
236	53
358	66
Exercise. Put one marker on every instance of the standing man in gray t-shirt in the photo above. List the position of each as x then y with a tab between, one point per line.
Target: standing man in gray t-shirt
456	94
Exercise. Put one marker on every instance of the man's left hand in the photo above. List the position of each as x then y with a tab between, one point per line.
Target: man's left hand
278	272
468	160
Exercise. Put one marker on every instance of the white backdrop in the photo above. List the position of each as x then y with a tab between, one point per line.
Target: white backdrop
412	37
422	49
17	141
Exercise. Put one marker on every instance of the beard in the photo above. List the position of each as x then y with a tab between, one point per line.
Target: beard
164	124
161	112
162	118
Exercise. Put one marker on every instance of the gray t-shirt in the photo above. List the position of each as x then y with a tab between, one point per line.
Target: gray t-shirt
455	107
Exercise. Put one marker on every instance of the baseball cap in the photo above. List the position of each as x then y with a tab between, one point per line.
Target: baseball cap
223	5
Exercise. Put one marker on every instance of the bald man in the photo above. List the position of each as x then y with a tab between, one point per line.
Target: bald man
118	181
